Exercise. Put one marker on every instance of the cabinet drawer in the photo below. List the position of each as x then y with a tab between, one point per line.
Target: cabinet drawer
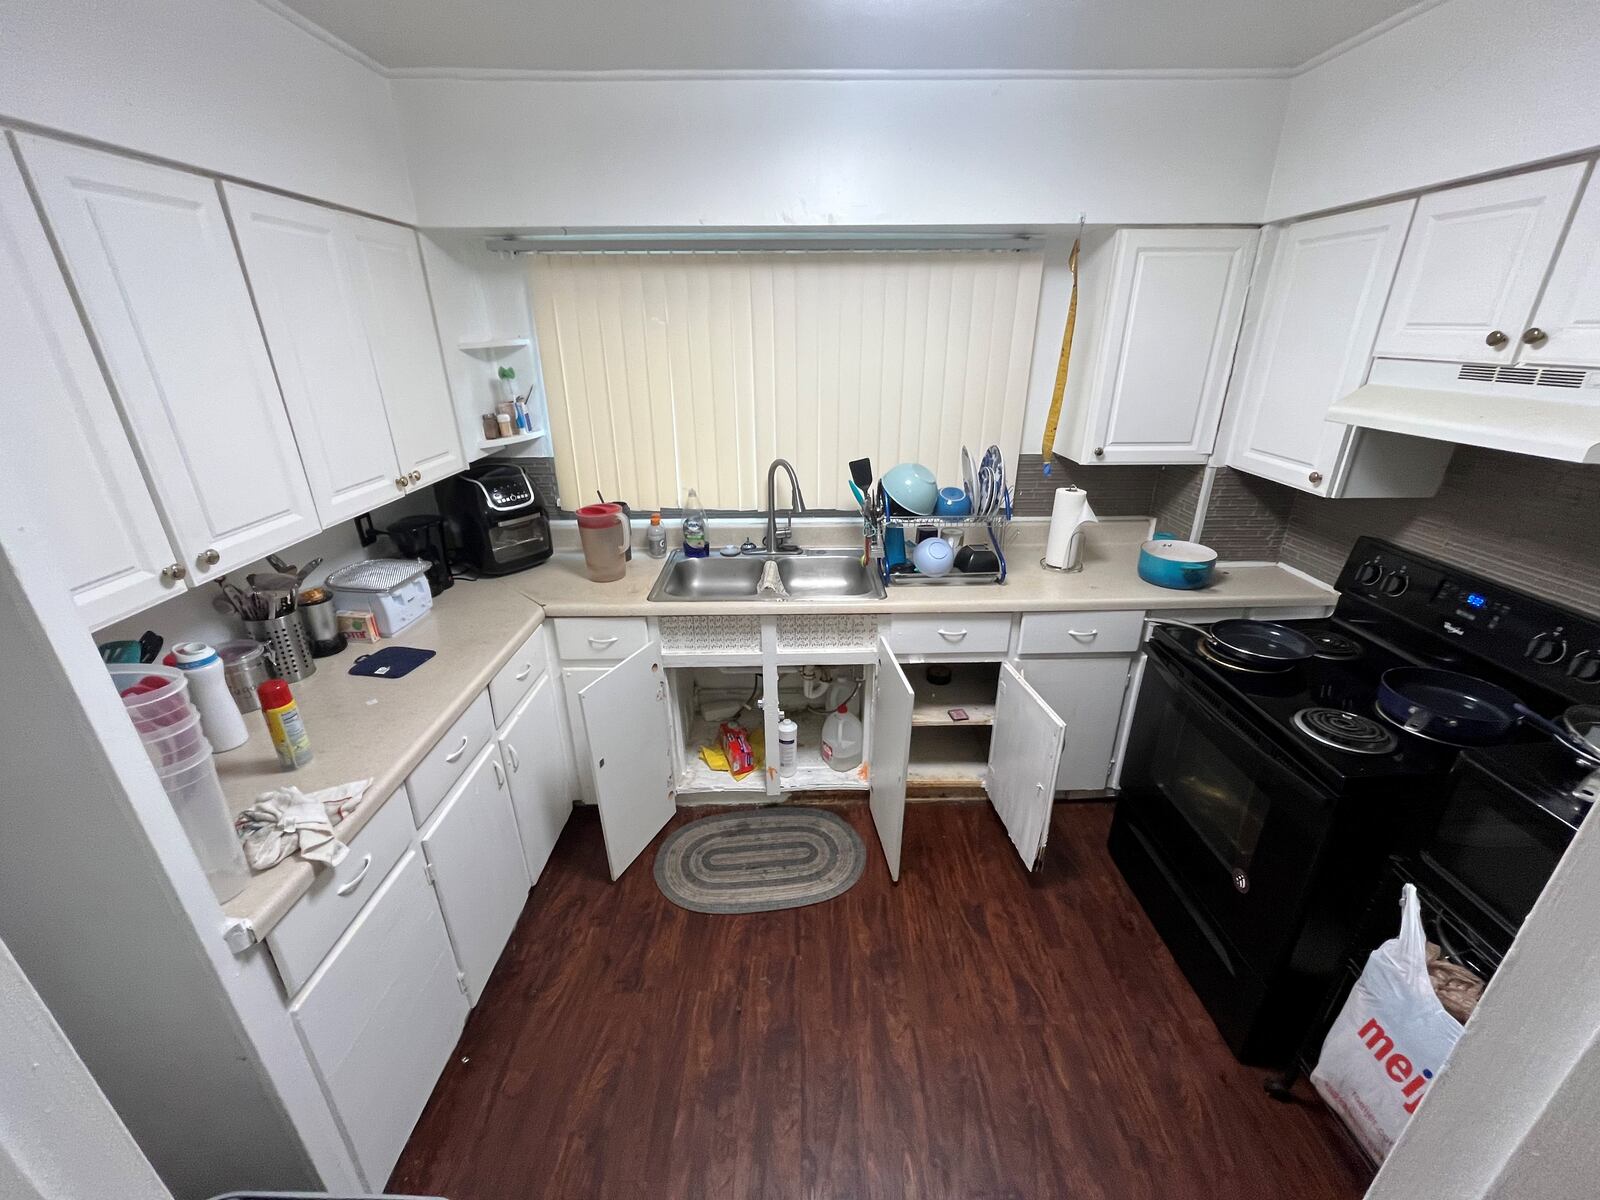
516	679
1081	632
452	754
303	938
381	1016
976	633
609	639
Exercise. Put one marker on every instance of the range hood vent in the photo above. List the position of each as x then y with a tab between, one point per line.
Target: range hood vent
1548	412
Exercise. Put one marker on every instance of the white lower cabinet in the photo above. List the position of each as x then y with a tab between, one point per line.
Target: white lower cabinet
382	1015
475	860
536	770
573	681
627	718
1086	692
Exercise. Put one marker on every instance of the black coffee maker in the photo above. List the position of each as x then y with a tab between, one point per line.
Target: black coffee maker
421	537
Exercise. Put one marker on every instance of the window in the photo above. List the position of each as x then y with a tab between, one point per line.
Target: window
666	371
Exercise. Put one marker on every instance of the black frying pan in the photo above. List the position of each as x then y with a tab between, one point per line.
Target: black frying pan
1460	710
1253	641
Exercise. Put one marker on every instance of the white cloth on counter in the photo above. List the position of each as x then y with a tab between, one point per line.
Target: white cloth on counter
288	821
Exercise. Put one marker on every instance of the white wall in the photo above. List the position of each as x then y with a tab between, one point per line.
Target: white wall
776	152
59	1138
1469	87
226	85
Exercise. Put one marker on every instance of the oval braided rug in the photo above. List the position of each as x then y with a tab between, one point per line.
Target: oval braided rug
759	861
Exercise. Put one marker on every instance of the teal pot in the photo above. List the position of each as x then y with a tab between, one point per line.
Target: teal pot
1173	564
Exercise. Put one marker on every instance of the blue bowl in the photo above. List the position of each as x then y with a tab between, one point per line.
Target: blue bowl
1173	564
953	502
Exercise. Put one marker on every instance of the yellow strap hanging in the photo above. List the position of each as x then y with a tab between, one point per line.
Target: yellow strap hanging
1054	418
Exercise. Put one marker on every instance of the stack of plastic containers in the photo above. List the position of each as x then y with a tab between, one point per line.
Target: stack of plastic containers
157	700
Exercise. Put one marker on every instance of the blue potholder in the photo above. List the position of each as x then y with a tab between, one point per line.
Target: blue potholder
391	662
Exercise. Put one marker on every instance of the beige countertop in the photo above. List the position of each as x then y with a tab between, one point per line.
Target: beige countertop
362	726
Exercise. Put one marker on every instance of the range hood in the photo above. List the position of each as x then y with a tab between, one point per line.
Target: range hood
1548	412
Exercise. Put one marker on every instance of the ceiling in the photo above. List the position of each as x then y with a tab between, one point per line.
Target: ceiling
756	35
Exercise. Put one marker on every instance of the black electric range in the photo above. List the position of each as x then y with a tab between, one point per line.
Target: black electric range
1258	808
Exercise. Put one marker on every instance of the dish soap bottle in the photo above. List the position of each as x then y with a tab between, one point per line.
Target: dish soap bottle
841	740
694	527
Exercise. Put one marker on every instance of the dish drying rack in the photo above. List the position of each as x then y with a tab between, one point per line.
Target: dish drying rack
992	527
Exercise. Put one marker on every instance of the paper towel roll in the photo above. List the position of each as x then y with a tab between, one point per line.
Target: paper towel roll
1071	510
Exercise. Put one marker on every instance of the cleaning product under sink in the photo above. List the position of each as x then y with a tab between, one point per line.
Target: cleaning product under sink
841	740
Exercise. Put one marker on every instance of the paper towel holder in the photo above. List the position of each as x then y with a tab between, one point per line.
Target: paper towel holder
1074	555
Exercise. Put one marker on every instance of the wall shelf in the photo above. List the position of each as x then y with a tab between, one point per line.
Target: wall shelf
494	345
516	439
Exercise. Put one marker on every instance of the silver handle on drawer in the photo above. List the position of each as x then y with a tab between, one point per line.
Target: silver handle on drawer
511	753
459	750
600	643
952	635
366	865
1087	635
527	669
499	773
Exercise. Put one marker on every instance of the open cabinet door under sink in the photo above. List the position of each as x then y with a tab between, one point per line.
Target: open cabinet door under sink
1024	757
892	700
626	711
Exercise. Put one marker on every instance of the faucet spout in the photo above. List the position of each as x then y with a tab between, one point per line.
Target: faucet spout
781	541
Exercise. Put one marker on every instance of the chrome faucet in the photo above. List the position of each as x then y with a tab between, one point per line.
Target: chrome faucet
781	541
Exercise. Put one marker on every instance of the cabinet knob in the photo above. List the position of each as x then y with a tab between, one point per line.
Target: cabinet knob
1099	451
175	572
1315	477
415	477
400	483
209	558
1495	339
1534	337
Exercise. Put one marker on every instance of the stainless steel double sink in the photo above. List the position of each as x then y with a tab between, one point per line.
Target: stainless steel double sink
807	575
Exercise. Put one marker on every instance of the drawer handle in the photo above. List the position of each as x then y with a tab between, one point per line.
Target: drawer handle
952	635
527	669
366	865
511	753
499	773
1087	635
600	643
459	750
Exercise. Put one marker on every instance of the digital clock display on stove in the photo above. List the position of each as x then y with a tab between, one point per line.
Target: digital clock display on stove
1476	599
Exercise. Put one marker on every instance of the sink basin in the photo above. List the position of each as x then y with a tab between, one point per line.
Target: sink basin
810	575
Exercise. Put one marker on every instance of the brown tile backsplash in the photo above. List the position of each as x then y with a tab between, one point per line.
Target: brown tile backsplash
1113	491
1247	517
1177	493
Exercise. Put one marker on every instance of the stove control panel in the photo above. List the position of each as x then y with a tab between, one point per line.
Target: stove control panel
1555	647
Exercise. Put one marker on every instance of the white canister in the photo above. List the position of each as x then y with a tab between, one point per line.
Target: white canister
788	747
208	688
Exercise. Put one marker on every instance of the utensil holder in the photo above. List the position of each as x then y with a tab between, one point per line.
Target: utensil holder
287	645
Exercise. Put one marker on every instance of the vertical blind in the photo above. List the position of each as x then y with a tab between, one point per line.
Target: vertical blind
666	371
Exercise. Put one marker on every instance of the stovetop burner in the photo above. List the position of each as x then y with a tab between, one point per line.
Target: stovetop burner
1208	650
1335	646
1344	730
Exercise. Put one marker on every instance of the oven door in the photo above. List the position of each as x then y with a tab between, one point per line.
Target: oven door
1238	825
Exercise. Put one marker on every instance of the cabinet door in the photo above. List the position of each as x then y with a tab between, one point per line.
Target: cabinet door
1473	266
380	1017
1569	312
1319	311
476	863
67	455
393	294
573	681
150	253
1024	760
1086	691
1162	360
626	716
892	701
299	263
535	755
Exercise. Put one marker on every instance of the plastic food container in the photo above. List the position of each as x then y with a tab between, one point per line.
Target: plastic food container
196	795
158	705
394	590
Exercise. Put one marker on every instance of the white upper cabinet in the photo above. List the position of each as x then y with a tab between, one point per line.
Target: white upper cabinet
1311	343
1474	265
66	453
1157	323
1566	325
299	258
149	251
393	295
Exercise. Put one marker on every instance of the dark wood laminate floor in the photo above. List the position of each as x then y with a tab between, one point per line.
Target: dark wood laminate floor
970	1033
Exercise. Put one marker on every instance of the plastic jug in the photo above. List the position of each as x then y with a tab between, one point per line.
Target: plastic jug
841	740
605	532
